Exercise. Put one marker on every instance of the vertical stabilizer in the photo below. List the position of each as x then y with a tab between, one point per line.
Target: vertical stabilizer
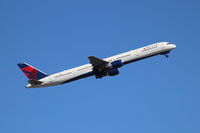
31	72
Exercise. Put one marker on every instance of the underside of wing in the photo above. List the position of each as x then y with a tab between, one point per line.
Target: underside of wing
99	65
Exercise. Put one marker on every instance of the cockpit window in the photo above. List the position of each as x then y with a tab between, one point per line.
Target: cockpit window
168	43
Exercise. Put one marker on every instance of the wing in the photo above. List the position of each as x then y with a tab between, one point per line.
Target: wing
99	65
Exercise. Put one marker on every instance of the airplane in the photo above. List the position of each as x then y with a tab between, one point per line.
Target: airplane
97	67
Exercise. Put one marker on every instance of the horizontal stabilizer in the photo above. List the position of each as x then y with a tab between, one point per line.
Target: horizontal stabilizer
34	82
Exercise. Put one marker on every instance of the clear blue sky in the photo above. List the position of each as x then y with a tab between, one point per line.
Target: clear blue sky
156	95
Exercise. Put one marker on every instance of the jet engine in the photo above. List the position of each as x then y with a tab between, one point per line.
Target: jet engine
112	72
115	64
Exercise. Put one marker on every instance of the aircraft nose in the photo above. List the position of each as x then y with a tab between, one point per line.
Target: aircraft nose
173	46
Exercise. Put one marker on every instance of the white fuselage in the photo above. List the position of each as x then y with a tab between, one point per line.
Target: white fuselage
87	70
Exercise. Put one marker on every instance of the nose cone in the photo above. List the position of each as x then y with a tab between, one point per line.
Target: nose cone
173	46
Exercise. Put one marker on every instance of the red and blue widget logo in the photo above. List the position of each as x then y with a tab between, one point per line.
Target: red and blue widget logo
31	72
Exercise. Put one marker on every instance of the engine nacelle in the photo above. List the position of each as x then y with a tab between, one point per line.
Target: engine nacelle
113	72
115	64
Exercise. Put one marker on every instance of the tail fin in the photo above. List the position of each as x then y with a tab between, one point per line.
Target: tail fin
31	72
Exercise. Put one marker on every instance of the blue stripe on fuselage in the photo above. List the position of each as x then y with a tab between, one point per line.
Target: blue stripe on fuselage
80	77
